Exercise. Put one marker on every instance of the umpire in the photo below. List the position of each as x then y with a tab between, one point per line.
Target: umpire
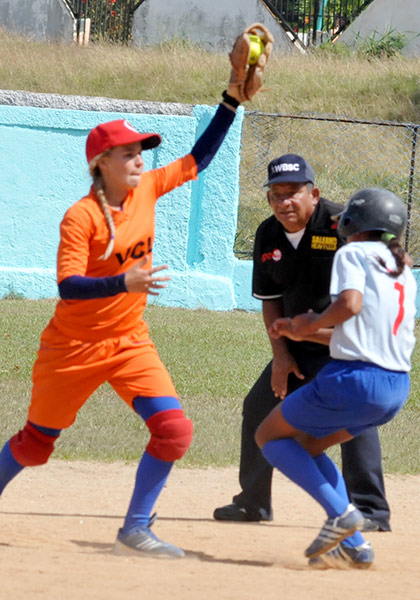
293	255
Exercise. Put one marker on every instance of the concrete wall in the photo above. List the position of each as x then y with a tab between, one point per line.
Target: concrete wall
387	15
38	19
43	171
214	25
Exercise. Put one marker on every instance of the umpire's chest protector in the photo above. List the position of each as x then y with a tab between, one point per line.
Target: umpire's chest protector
300	277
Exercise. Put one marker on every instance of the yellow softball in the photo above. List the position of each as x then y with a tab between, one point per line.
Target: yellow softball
256	49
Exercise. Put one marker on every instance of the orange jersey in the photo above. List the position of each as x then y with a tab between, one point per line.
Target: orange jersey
84	237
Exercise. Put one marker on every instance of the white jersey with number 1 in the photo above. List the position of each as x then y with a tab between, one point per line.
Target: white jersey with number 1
383	331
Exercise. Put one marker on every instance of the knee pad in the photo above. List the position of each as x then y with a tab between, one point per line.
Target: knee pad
171	435
30	447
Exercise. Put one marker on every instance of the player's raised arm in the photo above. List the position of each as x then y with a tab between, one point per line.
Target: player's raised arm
248	59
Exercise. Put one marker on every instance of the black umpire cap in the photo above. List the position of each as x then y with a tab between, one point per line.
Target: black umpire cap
290	168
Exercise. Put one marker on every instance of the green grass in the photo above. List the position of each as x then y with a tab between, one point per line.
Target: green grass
213	358
177	71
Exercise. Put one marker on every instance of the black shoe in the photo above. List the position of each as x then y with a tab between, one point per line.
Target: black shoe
233	512
370	525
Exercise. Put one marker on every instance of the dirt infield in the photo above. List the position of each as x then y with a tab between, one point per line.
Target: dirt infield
58	524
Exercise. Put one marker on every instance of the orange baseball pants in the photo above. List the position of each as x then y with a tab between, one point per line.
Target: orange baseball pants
68	371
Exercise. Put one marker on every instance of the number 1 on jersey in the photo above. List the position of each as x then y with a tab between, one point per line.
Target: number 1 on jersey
400	289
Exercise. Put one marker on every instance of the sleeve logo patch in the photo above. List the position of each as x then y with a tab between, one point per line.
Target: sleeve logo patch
324	242
275	255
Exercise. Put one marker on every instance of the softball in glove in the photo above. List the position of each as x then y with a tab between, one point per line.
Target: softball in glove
247	79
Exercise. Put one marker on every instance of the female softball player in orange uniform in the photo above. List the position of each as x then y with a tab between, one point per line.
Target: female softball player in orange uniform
366	383
97	334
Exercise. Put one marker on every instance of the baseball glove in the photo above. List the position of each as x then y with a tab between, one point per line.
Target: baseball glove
246	80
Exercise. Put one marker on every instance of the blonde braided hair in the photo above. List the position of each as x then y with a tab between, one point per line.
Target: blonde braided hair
100	194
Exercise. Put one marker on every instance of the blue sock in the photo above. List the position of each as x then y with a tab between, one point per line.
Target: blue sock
289	457
9	467
151	476
330	471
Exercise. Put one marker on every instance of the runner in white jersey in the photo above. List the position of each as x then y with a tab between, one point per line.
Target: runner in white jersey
370	329
382	332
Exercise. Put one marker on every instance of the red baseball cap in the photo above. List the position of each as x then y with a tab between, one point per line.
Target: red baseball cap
117	133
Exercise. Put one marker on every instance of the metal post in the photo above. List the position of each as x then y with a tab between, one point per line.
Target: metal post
315	20
410	184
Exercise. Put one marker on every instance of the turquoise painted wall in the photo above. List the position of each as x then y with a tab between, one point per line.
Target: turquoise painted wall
43	171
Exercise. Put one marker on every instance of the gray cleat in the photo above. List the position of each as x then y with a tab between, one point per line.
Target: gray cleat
344	557
142	541
335	530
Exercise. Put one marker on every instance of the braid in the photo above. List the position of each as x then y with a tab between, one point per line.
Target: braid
109	220
100	194
400	256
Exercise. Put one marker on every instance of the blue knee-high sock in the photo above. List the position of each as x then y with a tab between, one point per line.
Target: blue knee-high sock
289	457
151	476
9	467
330	471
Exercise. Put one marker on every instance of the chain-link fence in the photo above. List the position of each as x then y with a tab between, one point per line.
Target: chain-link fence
347	155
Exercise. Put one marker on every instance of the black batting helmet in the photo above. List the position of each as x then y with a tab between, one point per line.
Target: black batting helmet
373	209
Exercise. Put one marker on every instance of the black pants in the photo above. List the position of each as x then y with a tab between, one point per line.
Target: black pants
361	457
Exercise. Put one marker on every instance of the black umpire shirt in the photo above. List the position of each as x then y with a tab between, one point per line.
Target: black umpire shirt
301	276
